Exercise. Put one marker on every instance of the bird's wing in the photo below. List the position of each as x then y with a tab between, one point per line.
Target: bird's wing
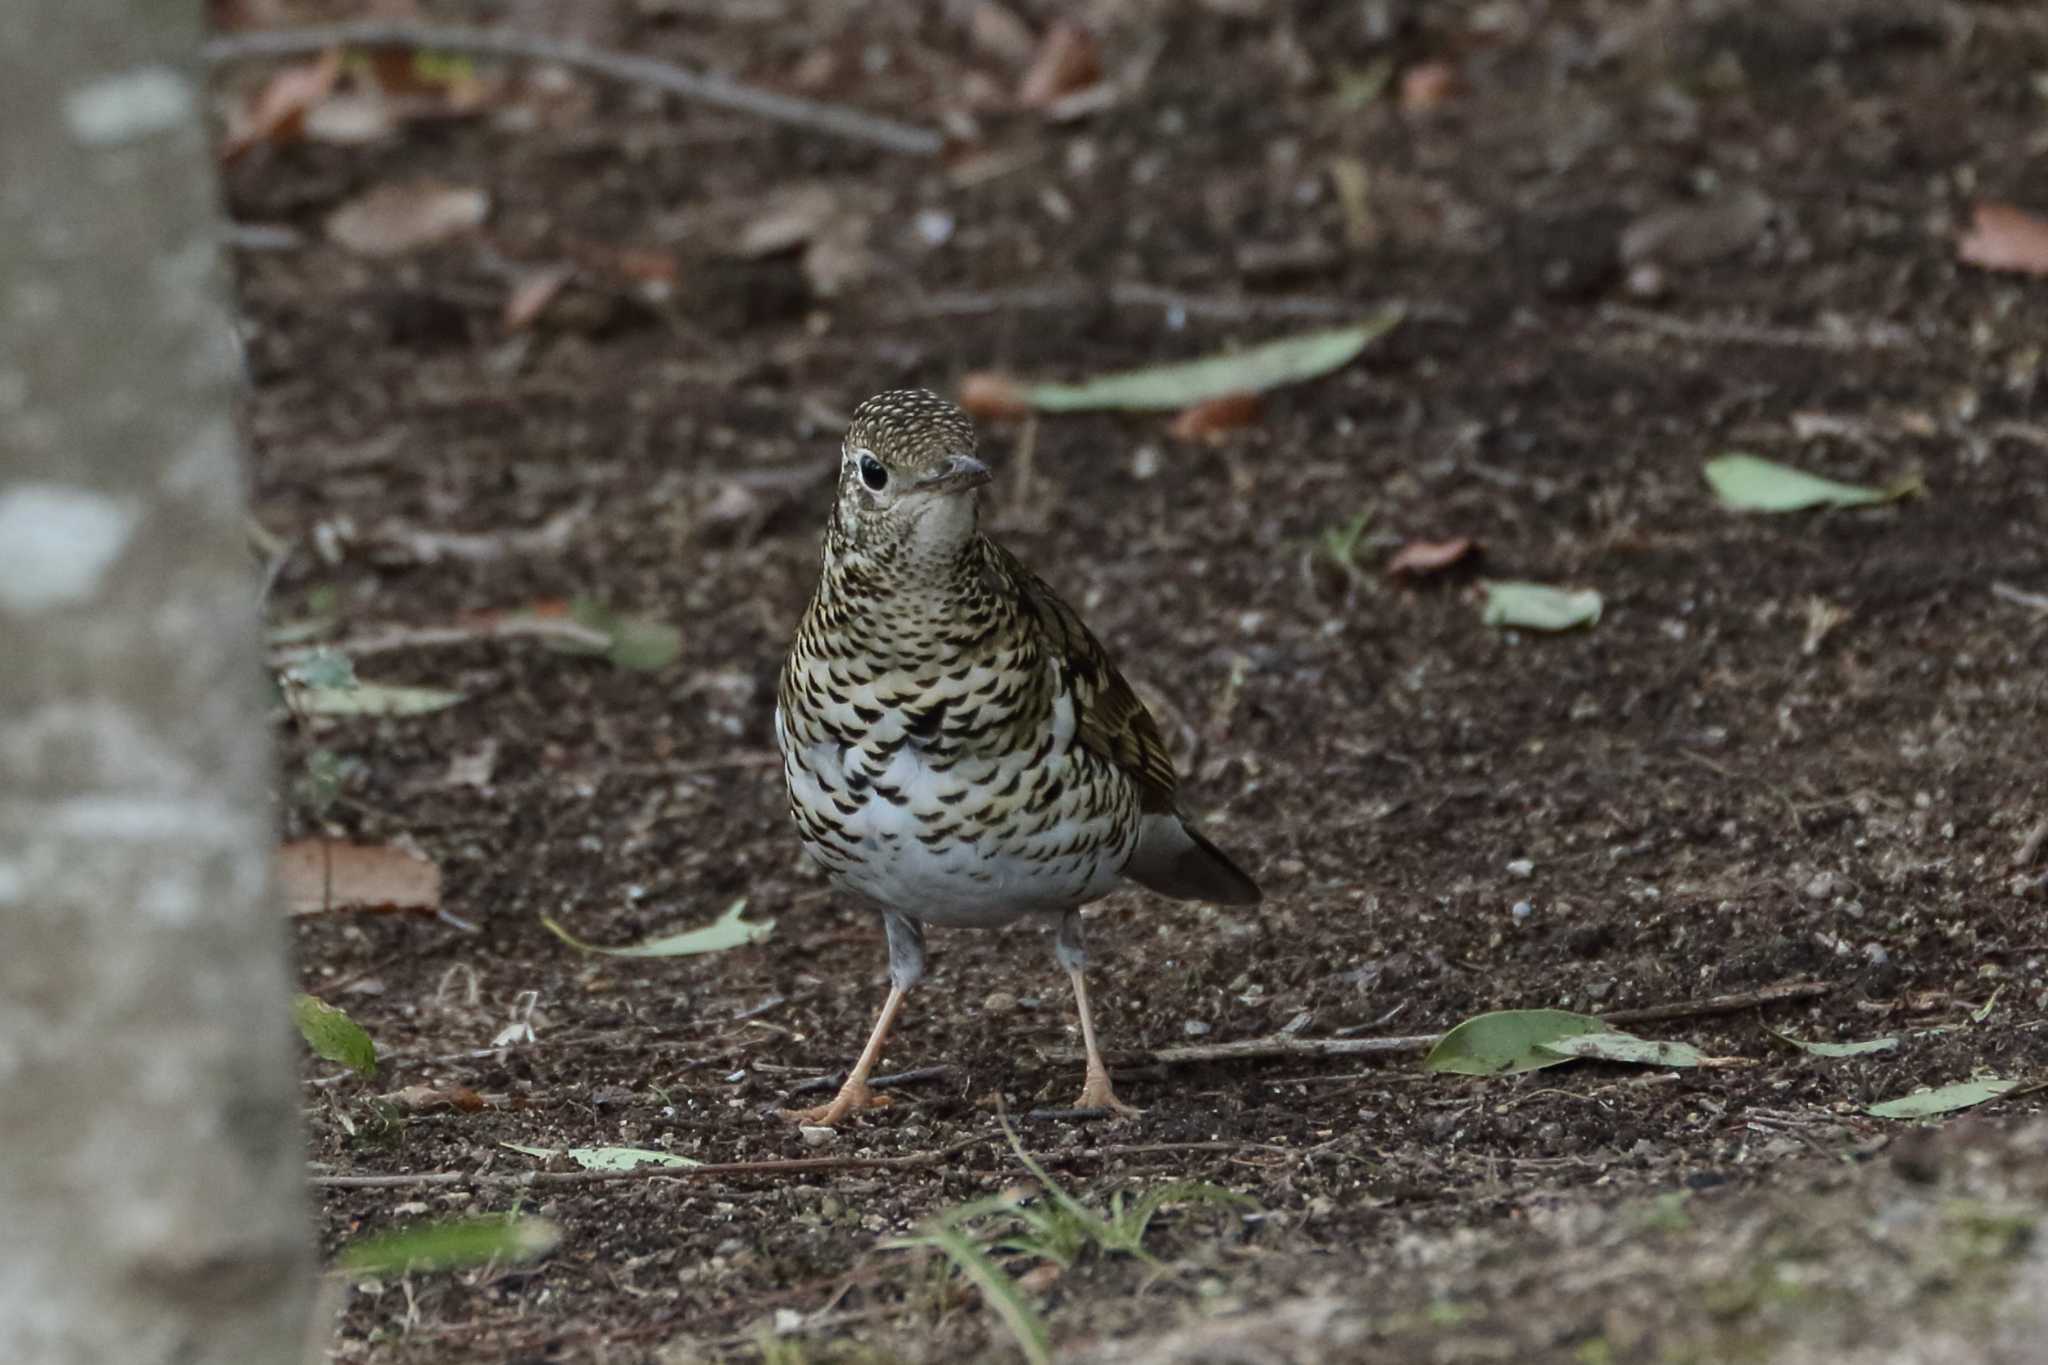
1110	720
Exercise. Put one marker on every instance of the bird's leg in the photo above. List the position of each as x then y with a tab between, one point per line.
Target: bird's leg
855	1094
1096	1091
906	968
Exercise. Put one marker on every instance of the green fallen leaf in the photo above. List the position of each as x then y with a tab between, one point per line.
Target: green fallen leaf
1748	484
1624	1047
637	642
1946	1099
605	1158
1535	606
450	1245
334	1036
373	699
1507	1041
1857	1049
324	670
1254	369
727	931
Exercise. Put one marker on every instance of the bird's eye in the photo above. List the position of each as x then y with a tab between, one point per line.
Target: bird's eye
872	474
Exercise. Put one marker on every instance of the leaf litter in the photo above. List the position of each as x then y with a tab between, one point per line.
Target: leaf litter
605	1158
729	930
405	216
1538	606
1183	384
1746	483
319	875
333	1036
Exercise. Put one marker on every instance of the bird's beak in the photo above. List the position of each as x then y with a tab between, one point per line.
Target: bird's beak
958	474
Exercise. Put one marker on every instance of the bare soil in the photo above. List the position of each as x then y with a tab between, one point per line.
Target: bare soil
1802	747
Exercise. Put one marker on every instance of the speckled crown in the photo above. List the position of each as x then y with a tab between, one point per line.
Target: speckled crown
911	429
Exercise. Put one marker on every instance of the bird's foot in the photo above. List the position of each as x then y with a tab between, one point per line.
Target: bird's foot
854	1095
1097	1093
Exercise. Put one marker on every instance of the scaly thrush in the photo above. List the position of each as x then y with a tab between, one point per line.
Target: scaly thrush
958	746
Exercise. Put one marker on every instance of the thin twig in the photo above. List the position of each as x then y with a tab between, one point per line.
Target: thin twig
1137	294
784	1166
1869	336
389	638
832	1082
2020	596
705	88
1257	1049
1783	993
788	1166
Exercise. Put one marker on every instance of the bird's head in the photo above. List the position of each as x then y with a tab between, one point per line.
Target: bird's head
907	479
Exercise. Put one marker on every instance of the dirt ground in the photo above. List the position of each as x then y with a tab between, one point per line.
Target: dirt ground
1804	748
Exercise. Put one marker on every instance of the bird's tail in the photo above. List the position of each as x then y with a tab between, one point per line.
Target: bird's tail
1175	860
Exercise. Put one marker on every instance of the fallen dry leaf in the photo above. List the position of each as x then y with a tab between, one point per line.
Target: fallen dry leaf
839	257
2003	237
426	1099
1067	61
277	111
988	394
317	875
1213	417
1696	233
996	31
404	216
786	221
352	119
1428	556
472	768
1426	86
532	290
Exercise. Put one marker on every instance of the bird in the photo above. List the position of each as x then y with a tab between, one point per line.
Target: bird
958	747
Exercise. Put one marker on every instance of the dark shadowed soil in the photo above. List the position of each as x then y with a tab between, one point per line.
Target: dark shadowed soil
1802	748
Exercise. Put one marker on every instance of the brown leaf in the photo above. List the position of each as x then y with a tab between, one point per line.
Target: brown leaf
839	258
1067	61
985	393
1426	86
1040	1278
2002	237
1696	233
532	290
1213	417
317	875
996	31
1428	556
425	1099
404	216
786	221
277	111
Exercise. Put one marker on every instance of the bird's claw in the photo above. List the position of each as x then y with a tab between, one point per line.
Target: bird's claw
854	1095
1097	1093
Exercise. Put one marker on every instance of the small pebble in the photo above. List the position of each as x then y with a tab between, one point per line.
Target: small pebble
1825	885
934	227
1521	910
1521	867
815	1136
1194	1028
999	1002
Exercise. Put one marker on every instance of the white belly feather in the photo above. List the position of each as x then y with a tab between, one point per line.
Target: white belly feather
996	865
